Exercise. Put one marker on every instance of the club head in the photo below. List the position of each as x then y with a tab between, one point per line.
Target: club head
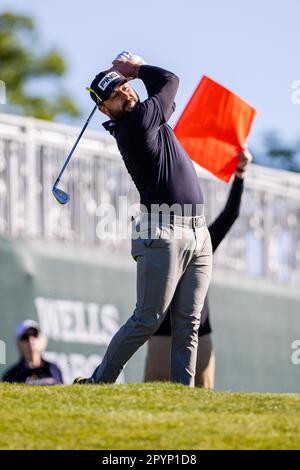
61	196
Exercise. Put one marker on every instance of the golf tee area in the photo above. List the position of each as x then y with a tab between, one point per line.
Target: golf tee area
145	416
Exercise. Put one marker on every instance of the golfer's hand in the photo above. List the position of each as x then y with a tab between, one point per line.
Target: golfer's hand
245	159
128	64
128	57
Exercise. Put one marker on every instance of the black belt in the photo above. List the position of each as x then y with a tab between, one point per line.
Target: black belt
191	222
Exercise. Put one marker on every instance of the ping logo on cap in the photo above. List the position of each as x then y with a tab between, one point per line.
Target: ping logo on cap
107	79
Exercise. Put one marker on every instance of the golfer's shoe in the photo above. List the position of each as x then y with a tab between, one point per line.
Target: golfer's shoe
82	381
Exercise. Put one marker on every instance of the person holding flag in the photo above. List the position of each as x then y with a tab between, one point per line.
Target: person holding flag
157	366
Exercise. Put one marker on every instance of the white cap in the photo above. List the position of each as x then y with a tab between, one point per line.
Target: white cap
25	325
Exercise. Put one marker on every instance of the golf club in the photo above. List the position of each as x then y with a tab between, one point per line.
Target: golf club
61	196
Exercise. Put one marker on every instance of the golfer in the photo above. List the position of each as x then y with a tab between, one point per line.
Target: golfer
170	241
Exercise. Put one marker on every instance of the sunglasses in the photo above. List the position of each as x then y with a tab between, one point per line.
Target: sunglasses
99	100
27	334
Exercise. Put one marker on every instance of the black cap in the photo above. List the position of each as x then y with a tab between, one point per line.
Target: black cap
104	83
26	325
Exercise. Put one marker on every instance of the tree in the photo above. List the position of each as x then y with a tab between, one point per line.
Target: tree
278	154
21	65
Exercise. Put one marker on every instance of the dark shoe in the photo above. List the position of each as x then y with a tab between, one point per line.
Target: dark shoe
81	381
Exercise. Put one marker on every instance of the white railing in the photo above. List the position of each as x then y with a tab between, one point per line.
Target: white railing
265	241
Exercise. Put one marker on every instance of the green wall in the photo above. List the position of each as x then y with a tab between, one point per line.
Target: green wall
255	324
82	295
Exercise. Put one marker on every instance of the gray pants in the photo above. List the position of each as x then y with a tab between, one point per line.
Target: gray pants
173	270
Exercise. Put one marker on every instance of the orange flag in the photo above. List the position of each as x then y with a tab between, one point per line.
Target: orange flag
214	126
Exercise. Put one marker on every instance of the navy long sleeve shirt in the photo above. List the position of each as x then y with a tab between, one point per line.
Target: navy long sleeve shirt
47	374
160	168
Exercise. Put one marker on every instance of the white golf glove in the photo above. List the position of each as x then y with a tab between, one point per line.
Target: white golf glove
127	56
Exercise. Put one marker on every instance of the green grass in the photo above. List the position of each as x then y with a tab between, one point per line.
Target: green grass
145	416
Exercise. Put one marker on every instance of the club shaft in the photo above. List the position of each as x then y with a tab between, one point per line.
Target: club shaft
75	145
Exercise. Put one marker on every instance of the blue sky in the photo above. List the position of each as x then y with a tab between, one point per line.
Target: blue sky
250	47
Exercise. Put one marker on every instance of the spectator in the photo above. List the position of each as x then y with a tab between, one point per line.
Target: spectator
32	369
159	345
